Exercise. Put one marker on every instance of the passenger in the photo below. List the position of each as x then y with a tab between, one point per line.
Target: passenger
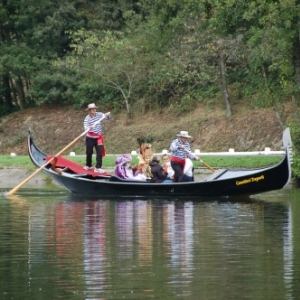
168	169
180	150
142	170
158	174
145	157
125	171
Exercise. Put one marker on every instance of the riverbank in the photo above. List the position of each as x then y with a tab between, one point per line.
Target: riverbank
248	129
12	176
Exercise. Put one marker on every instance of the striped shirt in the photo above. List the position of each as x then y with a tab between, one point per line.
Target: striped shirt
176	150
89	121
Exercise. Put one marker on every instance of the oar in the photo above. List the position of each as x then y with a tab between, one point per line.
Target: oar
203	163
11	192
206	165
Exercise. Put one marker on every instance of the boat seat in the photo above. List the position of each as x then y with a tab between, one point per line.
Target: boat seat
215	175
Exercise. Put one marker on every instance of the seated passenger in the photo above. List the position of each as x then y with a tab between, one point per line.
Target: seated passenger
158	174
125	171
167	168
145	156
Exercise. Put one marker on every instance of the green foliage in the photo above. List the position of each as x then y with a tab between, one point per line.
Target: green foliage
57	86
4	110
295	134
150	53
146	139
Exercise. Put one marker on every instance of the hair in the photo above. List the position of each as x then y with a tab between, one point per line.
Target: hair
155	158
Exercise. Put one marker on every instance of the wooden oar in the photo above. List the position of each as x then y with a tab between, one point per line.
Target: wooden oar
206	165
11	192
203	163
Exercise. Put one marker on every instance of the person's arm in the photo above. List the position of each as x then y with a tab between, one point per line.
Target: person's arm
191	155
161	174
107	115
86	123
171	172
103	116
174	146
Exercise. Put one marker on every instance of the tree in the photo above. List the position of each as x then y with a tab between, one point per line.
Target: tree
112	60
32	33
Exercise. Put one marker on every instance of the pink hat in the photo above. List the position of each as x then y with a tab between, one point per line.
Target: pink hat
122	160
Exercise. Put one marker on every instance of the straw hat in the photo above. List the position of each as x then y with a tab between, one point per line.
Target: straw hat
91	106
184	134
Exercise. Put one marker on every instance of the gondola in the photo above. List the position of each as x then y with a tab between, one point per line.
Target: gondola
222	182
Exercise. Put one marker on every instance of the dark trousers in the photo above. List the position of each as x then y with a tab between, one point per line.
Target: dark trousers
178	170
91	143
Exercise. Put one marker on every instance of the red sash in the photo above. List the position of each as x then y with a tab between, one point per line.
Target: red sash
178	160
100	140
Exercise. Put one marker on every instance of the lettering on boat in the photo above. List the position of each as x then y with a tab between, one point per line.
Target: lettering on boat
250	180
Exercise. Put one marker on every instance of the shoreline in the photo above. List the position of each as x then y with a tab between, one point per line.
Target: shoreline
12	176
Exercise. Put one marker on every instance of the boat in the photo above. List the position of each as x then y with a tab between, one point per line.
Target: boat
222	182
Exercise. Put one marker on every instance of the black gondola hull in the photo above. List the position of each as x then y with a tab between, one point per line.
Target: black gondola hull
228	183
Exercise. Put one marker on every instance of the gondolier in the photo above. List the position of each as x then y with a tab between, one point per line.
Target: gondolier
180	150
94	137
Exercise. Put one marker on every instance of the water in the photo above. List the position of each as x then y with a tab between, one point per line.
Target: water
57	246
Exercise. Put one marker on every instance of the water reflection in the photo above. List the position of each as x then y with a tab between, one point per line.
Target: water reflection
95	245
124	229
77	248
288	255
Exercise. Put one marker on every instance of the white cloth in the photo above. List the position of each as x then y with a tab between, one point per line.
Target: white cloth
170	170
188	167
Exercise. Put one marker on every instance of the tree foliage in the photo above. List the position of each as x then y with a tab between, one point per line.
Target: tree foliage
141	55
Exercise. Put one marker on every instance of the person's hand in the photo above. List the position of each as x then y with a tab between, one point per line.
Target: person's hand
107	114
182	147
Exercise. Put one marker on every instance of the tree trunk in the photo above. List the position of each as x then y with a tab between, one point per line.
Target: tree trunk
13	92
20	88
7	92
224	82
128	109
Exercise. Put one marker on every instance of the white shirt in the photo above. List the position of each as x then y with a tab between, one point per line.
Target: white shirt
170	170
188	167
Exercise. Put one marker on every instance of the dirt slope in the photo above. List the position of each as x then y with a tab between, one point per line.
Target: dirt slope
55	127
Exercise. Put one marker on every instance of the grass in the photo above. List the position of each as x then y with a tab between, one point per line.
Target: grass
247	161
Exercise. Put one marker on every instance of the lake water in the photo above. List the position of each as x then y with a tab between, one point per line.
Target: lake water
57	246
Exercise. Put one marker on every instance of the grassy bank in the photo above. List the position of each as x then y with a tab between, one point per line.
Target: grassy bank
109	161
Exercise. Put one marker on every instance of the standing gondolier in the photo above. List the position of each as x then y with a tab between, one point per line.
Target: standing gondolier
180	150
94	137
